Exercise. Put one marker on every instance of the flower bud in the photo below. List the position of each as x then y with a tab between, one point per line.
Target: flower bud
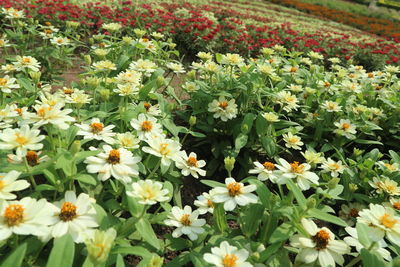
192	120
160	81
99	245
35	75
353	187
229	163
333	183
191	74
357	152
156	261
311	203
88	59
75	147
104	94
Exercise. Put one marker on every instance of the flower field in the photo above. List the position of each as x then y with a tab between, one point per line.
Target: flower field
195	134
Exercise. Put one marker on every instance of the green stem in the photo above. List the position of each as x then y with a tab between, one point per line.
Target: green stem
154	170
33	182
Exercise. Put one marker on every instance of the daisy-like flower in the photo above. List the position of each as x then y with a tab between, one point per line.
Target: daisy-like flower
297	171
104	65
60	41
271	117
226	110
313	157
235	193
166	149
189	165
265	171
345	128
334	167
287	101
46	114
129	76
204	203
99	244
7	84
12	13
96	130
7	68
232	59
127	140
126	90
9	183
4	42
74	215
288	69
152	110
379	247
146	126
143	65
118	163
111	27
350	212
26	62
205	56
382	222
186	222
394	167
292	141
395	203
148	192
319	245
33	158
78	97
387	186
27	216
176	67
22	139
227	256
331	106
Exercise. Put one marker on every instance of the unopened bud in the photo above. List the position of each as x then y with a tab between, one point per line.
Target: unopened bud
192	120
104	94
333	183
156	261
75	147
311	203
353	187
229	163
88	59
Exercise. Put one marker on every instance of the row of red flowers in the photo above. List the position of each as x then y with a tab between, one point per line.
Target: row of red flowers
196	30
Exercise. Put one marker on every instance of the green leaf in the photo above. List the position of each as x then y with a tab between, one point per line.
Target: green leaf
371	259
219	217
263	193
240	141
212	183
146	231
80	156
134	250
252	218
247	123
368	142
62	254
269	145
326	217
86	178
120	261
16	257
282	233
26	83
297	194
363	233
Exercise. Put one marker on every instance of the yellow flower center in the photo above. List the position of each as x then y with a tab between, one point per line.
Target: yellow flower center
269	166
229	260
293	140
210	203
223	104
68	91
321	239
164	149
293	69
97	127
48	31
148	192
68	212
370	75
21	139
26	60
345	126
396	205
334	166
2	183
102	247
14	214
234	189
192	162
41	112
32	157
387	220
390	188
390	166
114	156
3	81
185	220
327	84
296	168
19	111
146	126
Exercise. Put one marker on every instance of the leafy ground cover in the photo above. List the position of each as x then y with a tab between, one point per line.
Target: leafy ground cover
283	158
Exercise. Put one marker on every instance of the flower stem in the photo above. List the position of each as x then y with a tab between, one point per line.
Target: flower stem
33	182
154	170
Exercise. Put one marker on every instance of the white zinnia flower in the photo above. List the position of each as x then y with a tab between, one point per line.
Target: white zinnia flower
176	67
204	203
166	149
189	165
287	101
60	41
313	157
99	244
46	114
143	65
22	139
265	171
119	163
387	186
127	140
146	126
27	216
227	256
9	183
104	65
226	110
345	128
96	130
334	167
33	158
233	194
331	106
319	245
148	192
26	63
7	84
74	215
350	212
292	141
297	171
186	222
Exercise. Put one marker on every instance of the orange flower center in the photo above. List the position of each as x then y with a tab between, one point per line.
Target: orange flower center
21	139
3	81
19	111
296	168
114	156
334	166
147	126
223	104
293	140
41	112
396	205
68	91
293	69
192	162
269	166
68	212
14	214
345	126
97	127
102	45
353	213
229	260
48	31
387	220
321	239
48	23
234	189
147	106
26	60
32	157
185	220
210	204
327	84
164	149
370	75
